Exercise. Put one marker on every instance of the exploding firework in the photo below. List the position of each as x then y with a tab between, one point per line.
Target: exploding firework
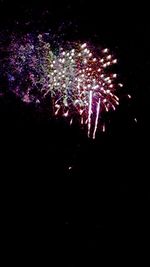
78	80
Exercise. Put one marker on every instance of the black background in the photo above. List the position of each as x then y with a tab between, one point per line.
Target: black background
98	211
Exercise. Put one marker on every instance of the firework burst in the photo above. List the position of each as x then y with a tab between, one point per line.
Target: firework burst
79	80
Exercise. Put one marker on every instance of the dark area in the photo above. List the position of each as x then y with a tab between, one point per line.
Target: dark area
78	201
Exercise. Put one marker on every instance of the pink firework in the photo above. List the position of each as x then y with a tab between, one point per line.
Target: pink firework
78	80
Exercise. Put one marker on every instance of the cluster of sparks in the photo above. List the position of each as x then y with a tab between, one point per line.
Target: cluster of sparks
78	82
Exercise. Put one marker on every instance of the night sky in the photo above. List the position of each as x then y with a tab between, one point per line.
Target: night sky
83	202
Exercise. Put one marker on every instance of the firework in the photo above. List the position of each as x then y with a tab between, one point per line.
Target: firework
78	80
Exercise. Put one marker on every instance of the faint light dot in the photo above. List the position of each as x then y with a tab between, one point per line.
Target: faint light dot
85	50
114	61
135	119
109	81
120	84
105	50
103	128
109	57
83	45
